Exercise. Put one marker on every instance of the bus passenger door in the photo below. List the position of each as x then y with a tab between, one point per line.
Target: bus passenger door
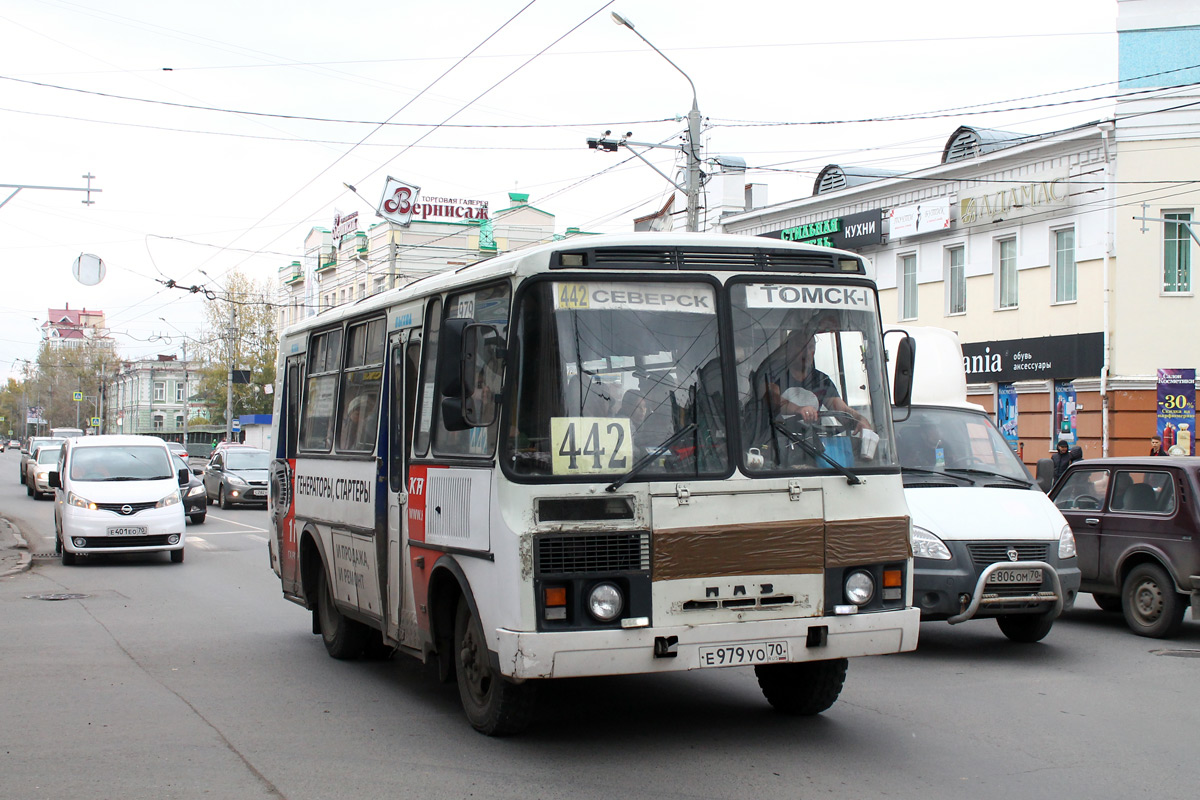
404	350
283	472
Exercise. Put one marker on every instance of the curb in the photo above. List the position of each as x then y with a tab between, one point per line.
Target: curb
23	546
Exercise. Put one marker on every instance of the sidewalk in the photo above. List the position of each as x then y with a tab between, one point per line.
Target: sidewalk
14	553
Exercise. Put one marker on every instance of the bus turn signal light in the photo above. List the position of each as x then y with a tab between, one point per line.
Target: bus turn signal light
891	577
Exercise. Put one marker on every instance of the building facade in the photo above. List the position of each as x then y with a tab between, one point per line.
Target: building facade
343	264
1063	260
151	397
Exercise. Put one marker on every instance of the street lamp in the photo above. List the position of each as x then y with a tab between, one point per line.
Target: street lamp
693	137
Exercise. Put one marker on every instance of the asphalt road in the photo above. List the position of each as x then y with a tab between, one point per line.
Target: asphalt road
198	680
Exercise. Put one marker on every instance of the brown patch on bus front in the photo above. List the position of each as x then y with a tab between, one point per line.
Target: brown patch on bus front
793	546
850	542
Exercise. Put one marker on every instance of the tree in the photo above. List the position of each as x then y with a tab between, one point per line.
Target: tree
239	332
62	371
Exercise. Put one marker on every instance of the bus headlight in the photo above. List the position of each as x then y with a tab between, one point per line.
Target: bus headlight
860	587
926	545
605	602
1066	543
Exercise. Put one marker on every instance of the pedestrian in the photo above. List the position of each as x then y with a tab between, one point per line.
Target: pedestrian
1156	446
1064	457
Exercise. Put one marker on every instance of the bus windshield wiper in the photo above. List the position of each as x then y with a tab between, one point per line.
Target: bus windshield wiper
990	474
654	453
851	478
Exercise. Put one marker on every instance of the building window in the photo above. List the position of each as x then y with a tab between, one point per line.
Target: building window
180	389
1065	279
908	286
160	391
956	280
158	423
1008	273
178	421
1177	252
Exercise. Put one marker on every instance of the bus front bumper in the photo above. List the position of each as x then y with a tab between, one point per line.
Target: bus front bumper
574	654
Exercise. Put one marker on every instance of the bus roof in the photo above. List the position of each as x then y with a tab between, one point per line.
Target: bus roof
651	252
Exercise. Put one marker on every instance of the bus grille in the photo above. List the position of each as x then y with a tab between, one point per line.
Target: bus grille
986	554
584	554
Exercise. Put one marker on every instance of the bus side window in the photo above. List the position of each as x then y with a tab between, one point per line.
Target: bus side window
320	391
362	379
291	389
426	401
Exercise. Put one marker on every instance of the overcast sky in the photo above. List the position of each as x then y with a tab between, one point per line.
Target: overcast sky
188	115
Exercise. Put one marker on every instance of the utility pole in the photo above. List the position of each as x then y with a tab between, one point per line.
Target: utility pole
232	332
692	145
186	395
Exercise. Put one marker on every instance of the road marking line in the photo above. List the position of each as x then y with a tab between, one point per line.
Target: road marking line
239	524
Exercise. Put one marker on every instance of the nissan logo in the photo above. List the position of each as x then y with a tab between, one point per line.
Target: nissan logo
1012	553
128	509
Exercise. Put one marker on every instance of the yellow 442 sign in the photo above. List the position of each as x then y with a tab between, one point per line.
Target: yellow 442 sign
586	445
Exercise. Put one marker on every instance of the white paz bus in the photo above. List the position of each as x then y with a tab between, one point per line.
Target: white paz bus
609	455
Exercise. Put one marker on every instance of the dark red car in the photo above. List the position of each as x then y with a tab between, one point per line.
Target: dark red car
1137	534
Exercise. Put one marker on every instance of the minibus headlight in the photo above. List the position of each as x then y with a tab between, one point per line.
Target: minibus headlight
170	500
80	502
860	587
926	545
605	602
1066	543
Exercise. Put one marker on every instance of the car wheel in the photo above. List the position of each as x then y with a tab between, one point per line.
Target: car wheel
1152	606
28	489
198	519
177	556
21	477
344	638
802	689
1107	602
68	559
1025	628
222	500
494	705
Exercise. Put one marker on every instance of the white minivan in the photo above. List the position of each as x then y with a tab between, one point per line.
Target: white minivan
987	542
117	494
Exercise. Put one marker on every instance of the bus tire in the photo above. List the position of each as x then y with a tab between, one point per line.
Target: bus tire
494	705
802	689
344	638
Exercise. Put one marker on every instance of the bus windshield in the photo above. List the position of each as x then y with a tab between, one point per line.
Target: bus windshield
612	370
810	377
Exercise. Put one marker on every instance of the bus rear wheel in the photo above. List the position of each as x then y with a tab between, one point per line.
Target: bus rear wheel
802	689
344	638
494	705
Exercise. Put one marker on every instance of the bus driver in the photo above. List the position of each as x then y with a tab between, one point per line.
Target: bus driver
799	388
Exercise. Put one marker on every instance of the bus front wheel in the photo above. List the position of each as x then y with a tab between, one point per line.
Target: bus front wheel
802	689
344	638
494	705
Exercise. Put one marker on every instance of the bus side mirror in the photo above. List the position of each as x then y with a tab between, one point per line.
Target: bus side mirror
902	384
450	369
483	358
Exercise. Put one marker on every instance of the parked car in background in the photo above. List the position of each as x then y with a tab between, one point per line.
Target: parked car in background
1137	531
179	449
42	460
118	494
195	503
237	475
28	447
